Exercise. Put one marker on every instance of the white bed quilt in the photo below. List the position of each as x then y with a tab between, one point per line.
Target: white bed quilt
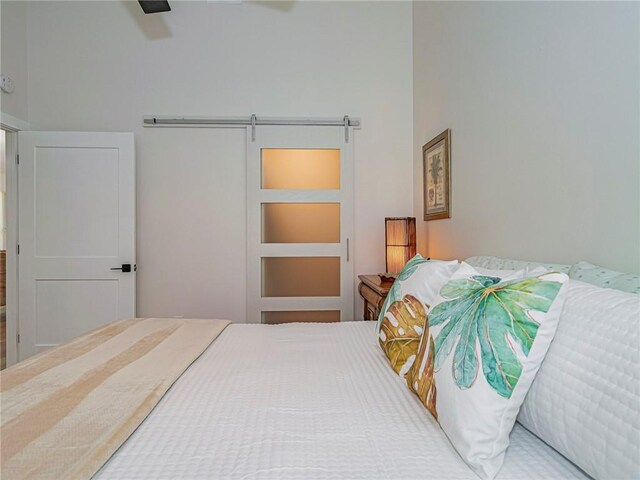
304	401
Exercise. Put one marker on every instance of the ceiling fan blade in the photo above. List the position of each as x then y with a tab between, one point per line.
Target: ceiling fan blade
154	6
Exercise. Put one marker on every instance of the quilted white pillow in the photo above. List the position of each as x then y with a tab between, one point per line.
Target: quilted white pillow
585	400
603	277
483	342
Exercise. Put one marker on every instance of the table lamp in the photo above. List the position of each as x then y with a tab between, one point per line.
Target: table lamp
400	243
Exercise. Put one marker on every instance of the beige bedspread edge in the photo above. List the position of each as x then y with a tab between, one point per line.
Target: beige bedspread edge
65	411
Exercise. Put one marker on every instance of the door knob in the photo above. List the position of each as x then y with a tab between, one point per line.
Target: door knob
126	268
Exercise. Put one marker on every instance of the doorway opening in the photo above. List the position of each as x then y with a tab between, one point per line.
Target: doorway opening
3	250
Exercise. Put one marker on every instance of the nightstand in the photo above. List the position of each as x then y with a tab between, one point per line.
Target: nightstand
373	291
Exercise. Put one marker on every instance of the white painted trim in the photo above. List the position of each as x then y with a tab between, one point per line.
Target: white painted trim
300	249
347	230
12	242
300	303
296	196
12	124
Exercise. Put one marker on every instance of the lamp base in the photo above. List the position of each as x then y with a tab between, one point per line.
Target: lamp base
388	277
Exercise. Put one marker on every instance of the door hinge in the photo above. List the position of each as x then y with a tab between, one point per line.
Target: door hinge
18	159
18	248
17	338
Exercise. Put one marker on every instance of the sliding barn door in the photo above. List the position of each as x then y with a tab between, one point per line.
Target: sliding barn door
300	224
76	234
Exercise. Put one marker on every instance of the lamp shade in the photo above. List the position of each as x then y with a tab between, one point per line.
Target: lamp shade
400	240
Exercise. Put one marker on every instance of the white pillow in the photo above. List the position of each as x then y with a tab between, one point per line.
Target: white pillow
585	400
498	331
498	273
523	272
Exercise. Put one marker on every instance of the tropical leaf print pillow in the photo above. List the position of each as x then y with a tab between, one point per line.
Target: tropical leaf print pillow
484	339
404	312
420	277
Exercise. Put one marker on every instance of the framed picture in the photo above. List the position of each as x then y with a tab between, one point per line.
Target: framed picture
436	158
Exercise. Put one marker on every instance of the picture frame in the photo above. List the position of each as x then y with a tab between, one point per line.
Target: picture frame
436	162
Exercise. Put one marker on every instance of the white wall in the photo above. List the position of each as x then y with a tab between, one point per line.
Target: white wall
103	65
13	57
543	102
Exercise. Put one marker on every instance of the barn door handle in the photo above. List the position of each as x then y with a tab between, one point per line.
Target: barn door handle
126	268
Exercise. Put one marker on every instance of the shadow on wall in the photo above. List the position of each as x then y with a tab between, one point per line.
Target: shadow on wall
283	5
153	26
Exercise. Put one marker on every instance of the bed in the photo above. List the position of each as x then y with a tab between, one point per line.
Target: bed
295	401
320	401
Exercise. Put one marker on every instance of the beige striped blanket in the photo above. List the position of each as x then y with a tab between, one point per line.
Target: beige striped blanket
65	411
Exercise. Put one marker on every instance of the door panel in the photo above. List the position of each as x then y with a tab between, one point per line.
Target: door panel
300	276
300	168
299	224
76	222
83	181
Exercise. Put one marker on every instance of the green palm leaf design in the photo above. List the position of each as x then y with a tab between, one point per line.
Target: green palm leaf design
495	315
394	293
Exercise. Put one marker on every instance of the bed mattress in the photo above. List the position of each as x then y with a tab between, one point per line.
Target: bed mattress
304	401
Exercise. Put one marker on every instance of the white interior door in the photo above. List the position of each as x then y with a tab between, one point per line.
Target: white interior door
300	224
76	223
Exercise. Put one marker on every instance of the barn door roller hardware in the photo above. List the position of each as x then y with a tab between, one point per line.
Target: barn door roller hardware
252	121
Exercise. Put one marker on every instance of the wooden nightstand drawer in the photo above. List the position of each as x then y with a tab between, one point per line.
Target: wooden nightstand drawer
371	296
374	292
